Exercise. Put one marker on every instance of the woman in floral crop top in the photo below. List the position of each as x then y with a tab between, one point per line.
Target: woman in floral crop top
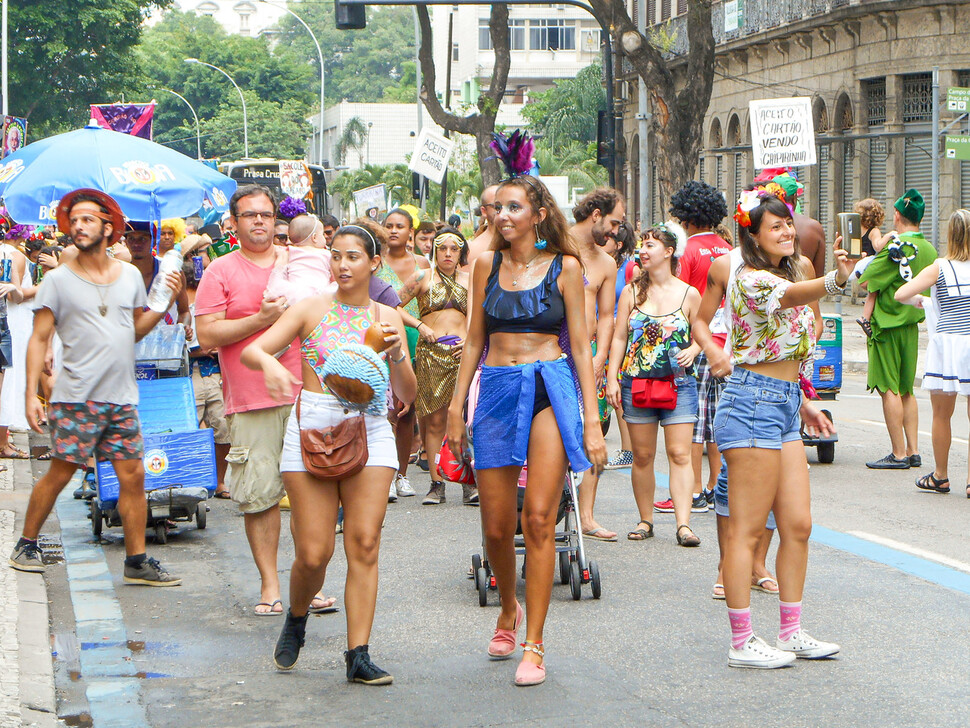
756	426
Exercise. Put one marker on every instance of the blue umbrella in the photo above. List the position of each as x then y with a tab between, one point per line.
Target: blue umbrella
149	181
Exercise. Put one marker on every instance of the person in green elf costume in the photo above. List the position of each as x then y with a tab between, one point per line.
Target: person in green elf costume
895	333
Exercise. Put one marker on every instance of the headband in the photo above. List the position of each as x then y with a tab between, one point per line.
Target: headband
363	230
444	237
314	232
750	199
677	233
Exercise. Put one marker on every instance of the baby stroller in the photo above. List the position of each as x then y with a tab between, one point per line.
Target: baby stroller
574	568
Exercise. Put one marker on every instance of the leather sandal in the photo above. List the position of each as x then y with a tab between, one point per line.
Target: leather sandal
929	482
641	534
690	540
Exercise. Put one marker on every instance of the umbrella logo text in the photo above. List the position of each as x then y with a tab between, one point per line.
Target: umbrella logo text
136	172
11	170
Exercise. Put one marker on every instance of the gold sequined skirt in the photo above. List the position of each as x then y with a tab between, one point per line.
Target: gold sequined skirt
437	373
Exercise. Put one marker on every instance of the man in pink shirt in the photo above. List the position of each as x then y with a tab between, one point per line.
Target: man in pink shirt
700	208
231	311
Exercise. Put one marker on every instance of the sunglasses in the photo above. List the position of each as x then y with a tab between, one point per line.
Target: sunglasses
281	236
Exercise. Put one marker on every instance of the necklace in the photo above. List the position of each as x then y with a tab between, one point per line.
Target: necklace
515	278
103	308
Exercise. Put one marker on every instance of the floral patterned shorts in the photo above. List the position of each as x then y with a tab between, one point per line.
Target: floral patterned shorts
107	431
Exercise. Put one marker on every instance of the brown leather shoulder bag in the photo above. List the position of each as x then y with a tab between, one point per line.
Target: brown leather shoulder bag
334	453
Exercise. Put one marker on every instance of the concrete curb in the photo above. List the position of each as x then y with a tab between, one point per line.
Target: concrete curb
38	704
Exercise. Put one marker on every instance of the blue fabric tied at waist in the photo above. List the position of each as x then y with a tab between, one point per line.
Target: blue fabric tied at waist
503	416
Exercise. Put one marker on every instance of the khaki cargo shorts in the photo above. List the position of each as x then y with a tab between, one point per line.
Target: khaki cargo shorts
255	483
209	405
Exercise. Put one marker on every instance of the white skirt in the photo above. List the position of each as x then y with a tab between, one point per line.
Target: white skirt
323	410
948	364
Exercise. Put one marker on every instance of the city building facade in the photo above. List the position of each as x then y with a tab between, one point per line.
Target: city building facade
867	66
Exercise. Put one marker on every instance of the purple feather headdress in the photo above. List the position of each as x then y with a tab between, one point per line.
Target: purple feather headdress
290	207
19	232
515	152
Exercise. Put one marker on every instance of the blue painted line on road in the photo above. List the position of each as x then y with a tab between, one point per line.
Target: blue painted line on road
112	686
907	563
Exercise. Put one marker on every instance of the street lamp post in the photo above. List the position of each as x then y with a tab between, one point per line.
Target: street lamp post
241	98
198	136
322	77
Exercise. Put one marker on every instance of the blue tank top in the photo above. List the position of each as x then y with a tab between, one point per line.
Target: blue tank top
538	310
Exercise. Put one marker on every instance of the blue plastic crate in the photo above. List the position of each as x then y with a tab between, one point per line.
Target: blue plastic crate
828	355
167	405
171	459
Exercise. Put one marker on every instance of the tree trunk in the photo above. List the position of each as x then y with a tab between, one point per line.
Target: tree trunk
678	117
482	123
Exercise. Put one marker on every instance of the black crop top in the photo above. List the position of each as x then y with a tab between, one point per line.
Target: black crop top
537	310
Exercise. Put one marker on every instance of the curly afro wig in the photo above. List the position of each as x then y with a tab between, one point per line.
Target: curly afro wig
699	204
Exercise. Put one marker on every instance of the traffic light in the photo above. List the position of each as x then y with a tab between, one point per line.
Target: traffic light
605	147
419	186
350	16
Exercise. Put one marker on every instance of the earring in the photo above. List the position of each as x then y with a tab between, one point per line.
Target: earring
541	243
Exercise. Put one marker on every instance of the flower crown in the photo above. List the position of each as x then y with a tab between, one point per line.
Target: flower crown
750	199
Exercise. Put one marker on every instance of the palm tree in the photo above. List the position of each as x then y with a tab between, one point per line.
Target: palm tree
354	136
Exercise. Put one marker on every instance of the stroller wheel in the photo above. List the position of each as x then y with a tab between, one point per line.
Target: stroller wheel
564	567
476	565
594	580
575	581
97	518
161	535
481	578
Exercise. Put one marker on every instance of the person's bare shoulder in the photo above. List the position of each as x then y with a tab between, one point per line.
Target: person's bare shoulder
598	267
420	261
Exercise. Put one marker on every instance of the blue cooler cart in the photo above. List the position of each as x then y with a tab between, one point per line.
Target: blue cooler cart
827	380
180	462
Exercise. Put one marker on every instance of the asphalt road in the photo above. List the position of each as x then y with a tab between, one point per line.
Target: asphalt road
651	651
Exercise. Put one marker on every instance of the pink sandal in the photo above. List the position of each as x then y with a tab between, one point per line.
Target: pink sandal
528	673
503	641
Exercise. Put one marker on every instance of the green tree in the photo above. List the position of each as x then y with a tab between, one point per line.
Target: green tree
275	81
359	64
574	160
353	137
567	112
65	56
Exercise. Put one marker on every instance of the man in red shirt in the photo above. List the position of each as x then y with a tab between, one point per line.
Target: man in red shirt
700	208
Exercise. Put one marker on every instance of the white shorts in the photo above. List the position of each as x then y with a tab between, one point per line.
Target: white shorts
323	410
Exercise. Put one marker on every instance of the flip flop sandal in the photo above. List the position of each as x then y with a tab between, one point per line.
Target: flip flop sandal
760	585
14	453
593	534
271	612
46	456
641	534
930	483
223	494
866	326
715	594
323	610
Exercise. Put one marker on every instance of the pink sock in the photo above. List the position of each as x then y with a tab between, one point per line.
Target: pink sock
791	619
740	626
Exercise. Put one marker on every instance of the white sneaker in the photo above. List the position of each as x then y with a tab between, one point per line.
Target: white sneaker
392	493
806	647
403	485
759	655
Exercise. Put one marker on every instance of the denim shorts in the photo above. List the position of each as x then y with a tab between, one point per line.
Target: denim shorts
757	411
685	411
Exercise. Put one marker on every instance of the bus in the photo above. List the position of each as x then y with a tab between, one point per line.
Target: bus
266	172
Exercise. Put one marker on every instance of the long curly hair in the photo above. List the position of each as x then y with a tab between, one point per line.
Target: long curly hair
554	229
641	284
699	204
789	267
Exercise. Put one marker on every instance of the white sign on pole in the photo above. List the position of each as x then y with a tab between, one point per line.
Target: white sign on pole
431	154
782	132
371	201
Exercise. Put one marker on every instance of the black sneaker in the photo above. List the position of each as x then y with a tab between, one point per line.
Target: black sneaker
291	640
150	573
915	461
699	504
27	557
890	462
709	496
360	669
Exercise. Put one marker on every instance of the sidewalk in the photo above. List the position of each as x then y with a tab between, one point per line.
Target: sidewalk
26	668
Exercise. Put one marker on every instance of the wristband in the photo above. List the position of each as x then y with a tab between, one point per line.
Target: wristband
398	361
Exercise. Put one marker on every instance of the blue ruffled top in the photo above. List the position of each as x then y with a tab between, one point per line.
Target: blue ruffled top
533	310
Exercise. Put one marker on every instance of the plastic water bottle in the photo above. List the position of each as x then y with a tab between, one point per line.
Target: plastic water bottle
673	351
160	296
